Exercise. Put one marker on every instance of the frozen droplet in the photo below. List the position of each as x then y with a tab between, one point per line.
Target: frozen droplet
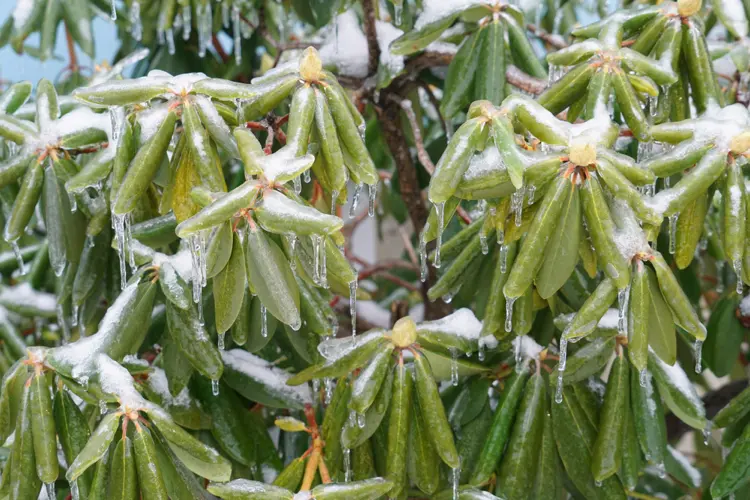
19	257
737	264
306	177
347	465
643	377
353	305
221	341
263	321
297	183
440	211
622	310
720	276
480	352
454	367
698	352
352	418
361	421
215	387
519	353
483	243
509	313
598	484
372	193
355	200
398	9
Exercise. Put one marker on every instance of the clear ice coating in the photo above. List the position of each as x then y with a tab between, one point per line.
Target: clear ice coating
215	387
440	211
454	367
707	432
197	244
263	321
187	22
643	377
102	407
75	494
221	341
50	488
698	351
353	305
519	354
328	387
516	205
673	233
113	13
509	313
169	35
292	246
455	480
297	183
347	465
355	201
483	243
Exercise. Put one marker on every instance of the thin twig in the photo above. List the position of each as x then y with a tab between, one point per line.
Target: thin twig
219	49
424	158
408	246
373	48
71	51
524	81
435	104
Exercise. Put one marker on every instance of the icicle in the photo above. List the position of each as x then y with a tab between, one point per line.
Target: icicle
455	479
136	28
531	190
118	224
197	245
323	273
129	243
398	9
483	243
361	421
454	367
334	197
74	316
169	35
237	34
738	272
480	351
355	201
328	387
667	182
352	418
306	176
448	297
19	257
353	305
643	377
263	321
297	183
347	465
503	258
50	487
372	191
673	233
292	246
561	368
225	15
707	432
316	391
553	72
113	16
519	353
622	310
516	205
73	202
102	407
63	322
215	387
440	211
316	239
509	313
698	351
74	493
423	256
221	344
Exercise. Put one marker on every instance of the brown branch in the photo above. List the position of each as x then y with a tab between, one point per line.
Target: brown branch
713	402
555	41
373	48
219	49
408	110
523	81
71	51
